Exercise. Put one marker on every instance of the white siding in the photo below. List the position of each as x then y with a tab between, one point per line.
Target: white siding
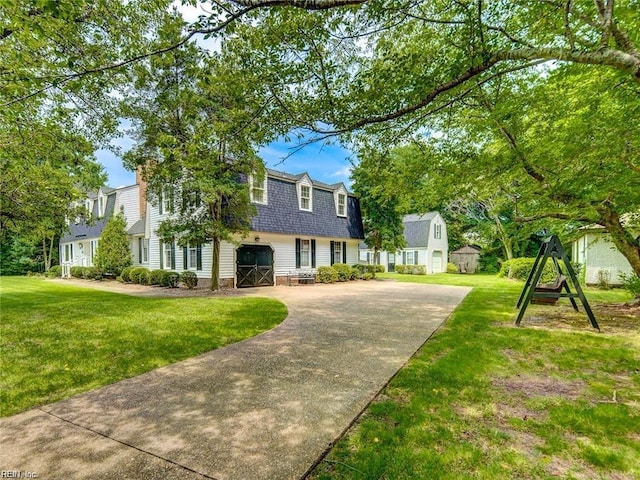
128	199
596	252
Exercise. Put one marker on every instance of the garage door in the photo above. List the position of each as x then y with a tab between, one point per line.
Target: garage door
437	262
254	266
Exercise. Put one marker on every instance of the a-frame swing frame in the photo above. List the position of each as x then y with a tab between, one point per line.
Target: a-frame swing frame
552	248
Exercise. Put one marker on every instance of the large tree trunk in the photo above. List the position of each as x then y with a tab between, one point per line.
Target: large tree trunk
215	265
622	238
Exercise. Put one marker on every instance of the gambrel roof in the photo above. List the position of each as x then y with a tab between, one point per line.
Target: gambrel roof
283	215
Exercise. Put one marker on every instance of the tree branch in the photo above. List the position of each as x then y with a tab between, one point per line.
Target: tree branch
302	4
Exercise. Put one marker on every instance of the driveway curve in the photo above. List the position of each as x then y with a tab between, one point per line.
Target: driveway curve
264	408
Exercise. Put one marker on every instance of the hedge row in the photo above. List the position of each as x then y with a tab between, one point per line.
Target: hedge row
341	272
88	273
519	269
411	269
162	278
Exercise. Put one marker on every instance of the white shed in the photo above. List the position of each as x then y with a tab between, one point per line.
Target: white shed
599	257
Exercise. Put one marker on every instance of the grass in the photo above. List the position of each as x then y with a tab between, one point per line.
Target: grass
484	399
58	340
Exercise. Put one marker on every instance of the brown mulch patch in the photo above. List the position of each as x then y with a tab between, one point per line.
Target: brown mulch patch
530	386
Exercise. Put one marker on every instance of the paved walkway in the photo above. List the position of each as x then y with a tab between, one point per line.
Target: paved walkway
264	408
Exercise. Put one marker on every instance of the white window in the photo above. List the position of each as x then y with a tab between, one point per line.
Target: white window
167	256
68	252
166	203
305	197
437	231
337	252
342	205
145	250
192	257
410	258
258	191
305	253
101	206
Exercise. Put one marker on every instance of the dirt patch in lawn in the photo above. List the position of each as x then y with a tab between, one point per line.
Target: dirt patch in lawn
613	319
530	386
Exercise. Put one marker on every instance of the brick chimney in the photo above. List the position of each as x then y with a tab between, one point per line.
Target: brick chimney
142	191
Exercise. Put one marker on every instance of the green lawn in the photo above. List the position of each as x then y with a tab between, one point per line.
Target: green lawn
58	340
483	399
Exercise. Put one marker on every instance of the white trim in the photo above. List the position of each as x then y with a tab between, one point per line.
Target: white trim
305	181
263	188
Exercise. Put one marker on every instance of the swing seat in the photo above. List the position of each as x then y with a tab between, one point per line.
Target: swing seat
552	291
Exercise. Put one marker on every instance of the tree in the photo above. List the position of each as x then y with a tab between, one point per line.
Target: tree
113	253
376	185
192	146
567	162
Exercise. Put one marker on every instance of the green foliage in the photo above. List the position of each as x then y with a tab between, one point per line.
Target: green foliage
113	252
126	274
76	272
519	269
326	274
631	283
138	274
55	272
411	269
367	276
190	279
452	268
171	280
344	271
91	273
158	277
489	263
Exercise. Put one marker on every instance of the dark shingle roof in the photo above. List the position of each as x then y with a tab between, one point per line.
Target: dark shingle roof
282	214
94	229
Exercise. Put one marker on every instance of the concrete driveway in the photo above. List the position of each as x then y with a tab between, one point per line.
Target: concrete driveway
265	408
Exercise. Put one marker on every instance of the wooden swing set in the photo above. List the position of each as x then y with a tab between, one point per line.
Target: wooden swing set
549	293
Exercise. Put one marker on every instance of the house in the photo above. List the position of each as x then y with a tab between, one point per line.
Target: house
79	244
301	224
427	245
600	259
467	259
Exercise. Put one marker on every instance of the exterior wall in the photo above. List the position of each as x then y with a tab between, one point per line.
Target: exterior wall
127	198
597	253
82	256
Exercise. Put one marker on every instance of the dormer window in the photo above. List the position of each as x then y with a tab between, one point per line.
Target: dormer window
305	198
101	206
340	200
258	190
437	231
342	205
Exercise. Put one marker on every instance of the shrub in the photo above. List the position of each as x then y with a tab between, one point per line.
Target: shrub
326	275
91	273
157	277
136	273
119	279
378	269
418	270
452	268
55	271
344	271
171	280
113	252
401	268
488	263
604	279
76	272
126	274
190	279
367	276
631	283
144	278
519	269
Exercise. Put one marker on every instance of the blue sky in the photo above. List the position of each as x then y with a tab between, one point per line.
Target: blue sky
326	163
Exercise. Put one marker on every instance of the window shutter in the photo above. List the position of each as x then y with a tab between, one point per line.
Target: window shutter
344	252
313	253
332	247
161	255
415	257
160	204
199	257
139	250
404	258
173	256
297	253
185	252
